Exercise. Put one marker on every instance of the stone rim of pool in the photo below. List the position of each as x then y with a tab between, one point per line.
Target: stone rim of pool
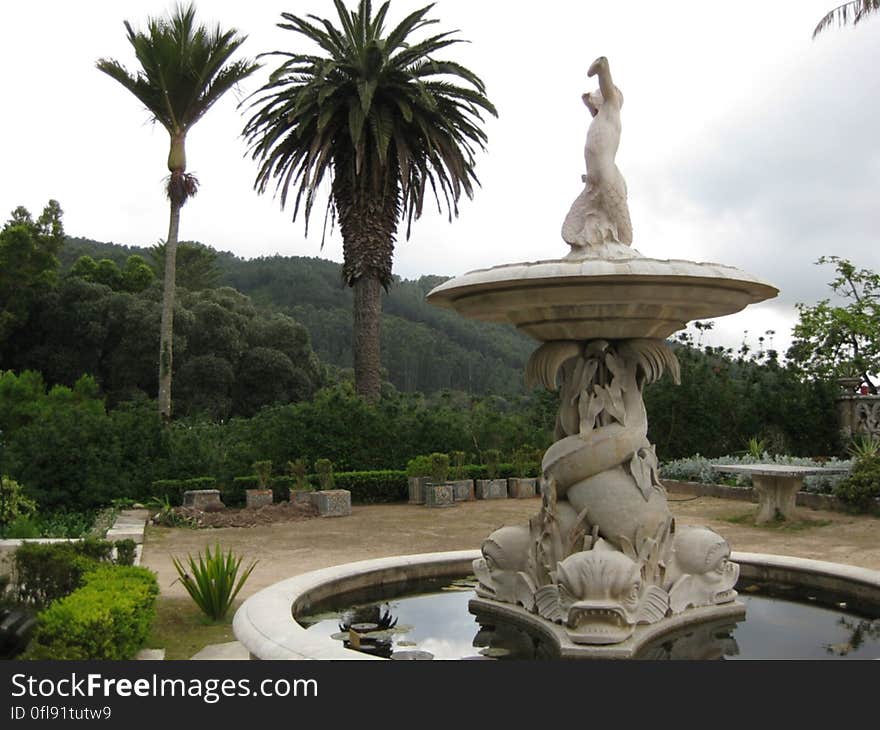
265	622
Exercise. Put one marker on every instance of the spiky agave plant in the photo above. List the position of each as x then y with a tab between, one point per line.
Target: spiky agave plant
213	580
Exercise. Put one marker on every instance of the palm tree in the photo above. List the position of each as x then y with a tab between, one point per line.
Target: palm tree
184	70
856	9
380	117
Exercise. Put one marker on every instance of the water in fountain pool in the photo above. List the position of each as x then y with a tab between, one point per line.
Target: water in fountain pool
431	619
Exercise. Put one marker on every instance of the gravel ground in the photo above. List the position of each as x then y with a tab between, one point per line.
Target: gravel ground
288	548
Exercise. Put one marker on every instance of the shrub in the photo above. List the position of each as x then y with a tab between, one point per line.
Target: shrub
420	466
299	471
94	548
439	467
170	489
233	494
374	487
212	583
281	487
324	469
458	459
263	471
173	489
125	551
861	488
491	457
526	461
13	502
109	617
46	572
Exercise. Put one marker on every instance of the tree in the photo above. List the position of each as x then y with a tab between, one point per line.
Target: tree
833	341
196	265
184	71
858	10
28	262
382	118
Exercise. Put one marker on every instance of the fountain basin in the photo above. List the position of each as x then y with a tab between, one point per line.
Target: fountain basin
265	622
590	298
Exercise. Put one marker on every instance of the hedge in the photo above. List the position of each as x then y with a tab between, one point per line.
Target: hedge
108	618
173	489
373	487
45	572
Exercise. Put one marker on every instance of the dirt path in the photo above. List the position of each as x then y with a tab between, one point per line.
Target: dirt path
376	531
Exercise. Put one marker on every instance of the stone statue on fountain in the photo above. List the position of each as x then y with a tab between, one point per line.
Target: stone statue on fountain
603	555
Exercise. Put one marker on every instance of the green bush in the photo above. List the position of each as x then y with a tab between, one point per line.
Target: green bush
282	485
211	580
299	471
491	457
13	502
374	487
324	471
22	527
45	572
861	488
94	548
109	617
170	489
458	459
263	471
173	489
233	494
419	466
439	467
125	551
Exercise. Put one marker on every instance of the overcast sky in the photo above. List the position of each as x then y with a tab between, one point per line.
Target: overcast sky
744	141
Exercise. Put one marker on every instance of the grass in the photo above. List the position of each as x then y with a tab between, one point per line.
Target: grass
748	519
182	629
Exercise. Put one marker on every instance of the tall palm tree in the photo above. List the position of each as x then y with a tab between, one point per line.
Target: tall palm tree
379	116
856	10
184	70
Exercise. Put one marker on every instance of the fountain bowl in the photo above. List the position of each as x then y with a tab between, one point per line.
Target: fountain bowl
585	297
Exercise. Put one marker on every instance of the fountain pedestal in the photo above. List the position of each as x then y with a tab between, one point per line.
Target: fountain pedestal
603	560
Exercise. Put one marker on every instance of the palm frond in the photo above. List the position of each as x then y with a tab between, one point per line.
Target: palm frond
855	11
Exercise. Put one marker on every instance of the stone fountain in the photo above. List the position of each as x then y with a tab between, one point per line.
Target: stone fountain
603	565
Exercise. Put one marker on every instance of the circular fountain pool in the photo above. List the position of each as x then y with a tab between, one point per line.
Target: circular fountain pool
433	620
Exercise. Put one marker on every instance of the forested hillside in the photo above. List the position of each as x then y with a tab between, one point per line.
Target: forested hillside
424	348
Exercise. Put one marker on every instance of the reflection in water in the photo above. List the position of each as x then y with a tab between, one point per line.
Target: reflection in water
432	620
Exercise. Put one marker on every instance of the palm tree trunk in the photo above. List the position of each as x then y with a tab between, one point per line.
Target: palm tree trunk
367	315
166	330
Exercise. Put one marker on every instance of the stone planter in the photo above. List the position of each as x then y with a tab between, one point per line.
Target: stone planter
439	495
255	498
463	490
206	500
491	489
416	487
522	488
332	502
301	496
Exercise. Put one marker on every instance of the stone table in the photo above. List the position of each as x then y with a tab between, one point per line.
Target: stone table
777	486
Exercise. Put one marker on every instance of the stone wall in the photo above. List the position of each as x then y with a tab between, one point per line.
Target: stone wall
858	415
